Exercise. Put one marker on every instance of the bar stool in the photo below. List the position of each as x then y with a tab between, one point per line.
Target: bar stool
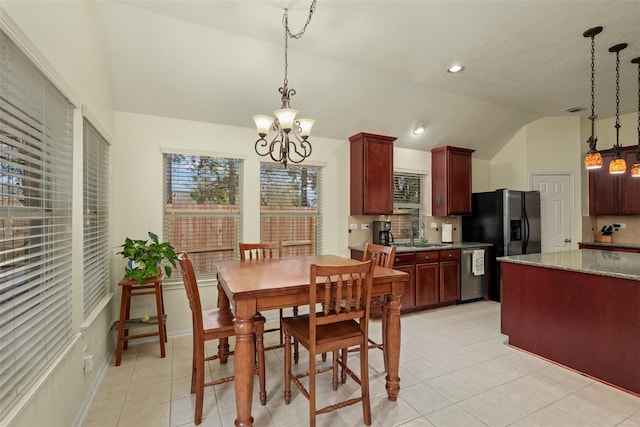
130	289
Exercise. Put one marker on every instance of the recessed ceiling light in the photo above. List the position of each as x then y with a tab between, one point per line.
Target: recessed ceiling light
418	130
455	69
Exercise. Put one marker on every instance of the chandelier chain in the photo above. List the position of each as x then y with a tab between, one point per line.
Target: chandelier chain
593	81
617	90
288	34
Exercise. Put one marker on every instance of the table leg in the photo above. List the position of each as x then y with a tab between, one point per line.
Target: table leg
244	362
392	340
223	343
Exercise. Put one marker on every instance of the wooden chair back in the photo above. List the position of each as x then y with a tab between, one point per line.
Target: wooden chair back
383	256
260	250
193	295
343	292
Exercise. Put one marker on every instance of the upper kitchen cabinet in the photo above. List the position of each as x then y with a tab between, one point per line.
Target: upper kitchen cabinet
451	181
614	194
371	174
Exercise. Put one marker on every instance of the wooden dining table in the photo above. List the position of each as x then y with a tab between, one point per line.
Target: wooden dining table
264	284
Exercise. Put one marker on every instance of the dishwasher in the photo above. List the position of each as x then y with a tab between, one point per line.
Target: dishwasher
474	283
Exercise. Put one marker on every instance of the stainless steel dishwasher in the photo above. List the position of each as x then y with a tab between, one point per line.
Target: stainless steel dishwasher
473	286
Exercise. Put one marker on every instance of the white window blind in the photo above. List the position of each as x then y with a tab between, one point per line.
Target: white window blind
96	216
203	207
36	128
408	203
290	207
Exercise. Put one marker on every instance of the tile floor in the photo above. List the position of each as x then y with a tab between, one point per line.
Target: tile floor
456	370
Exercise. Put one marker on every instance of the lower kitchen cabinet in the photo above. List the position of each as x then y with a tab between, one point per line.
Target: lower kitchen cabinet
434	277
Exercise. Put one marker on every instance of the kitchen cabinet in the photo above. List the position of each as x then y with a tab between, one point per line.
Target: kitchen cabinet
427	278
371	173
451	181
614	194
405	262
608	247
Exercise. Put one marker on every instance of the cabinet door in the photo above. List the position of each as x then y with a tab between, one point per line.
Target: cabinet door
630	203
449	281
459	188
603	187
427	284
408	299
378	177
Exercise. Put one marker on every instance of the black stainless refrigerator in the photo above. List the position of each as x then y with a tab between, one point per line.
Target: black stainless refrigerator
510	221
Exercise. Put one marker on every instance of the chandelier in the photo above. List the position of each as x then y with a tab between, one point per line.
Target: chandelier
635	169
593	160
291	140
618	164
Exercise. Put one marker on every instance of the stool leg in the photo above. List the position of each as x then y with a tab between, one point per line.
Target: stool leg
163	323
123	312
127	304
159	304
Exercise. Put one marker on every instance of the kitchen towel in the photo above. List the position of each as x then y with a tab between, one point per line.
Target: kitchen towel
447	233
477	267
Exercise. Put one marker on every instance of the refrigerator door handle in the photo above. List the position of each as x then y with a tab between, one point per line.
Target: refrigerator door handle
526	230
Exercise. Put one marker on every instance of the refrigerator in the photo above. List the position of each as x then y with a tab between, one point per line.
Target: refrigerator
510	221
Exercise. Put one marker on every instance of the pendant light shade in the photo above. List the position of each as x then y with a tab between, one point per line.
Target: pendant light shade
635	169
593	160
618	164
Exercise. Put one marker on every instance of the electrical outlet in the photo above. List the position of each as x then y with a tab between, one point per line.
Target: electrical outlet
87	360
353	226
434	225
622	225
365	226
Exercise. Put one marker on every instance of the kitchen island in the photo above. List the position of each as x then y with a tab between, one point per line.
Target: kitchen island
578	308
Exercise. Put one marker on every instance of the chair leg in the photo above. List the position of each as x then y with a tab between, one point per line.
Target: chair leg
259	328
343	372
296	354
312	389
199	363
287	368
334	381
364	381
193	366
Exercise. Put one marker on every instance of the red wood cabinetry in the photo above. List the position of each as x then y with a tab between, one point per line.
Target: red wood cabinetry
451	181
371	172
614	194
405	262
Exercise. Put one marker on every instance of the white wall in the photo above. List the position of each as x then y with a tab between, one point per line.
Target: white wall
64	40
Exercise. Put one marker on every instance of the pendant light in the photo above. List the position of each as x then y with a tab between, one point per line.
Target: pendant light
593	160
617	165
635	170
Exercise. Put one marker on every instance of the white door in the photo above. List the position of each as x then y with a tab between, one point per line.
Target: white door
556	209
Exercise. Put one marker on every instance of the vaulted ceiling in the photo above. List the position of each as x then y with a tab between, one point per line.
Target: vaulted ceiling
373	66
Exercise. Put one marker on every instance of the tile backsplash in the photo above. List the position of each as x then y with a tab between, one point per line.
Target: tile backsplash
629	234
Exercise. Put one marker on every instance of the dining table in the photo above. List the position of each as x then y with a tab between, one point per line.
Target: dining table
255	285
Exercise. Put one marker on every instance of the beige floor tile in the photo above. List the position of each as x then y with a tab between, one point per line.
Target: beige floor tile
105	405
111	421
146	396
452	416
183	410
156	416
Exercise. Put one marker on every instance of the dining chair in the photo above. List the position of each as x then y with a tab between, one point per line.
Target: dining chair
343	291
214	324
266	250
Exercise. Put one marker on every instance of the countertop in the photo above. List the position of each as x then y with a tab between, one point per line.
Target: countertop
613	245
623	265
431	246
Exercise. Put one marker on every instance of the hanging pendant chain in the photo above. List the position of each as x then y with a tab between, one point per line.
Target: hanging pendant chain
288	33
618	89
593	82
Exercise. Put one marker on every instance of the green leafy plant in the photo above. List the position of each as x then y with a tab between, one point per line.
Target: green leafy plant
146	258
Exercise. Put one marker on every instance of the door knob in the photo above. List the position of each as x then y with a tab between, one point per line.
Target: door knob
567	240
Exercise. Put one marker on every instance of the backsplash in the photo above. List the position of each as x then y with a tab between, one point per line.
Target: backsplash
629	234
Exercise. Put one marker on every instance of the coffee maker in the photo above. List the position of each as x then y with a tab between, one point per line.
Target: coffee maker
382	233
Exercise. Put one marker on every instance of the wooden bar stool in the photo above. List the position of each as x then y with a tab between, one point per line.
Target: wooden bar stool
130	289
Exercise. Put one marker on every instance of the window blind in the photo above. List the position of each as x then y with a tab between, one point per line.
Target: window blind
96	216
290	207
36	128
203	207
408	202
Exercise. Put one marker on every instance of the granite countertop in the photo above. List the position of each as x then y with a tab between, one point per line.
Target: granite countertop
623	265
401	248
613	245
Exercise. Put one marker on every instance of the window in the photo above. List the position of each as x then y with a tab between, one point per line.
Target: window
36	155
408	200
290	207
95	217
203	214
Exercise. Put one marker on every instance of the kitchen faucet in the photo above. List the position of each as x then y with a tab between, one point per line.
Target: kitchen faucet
415	222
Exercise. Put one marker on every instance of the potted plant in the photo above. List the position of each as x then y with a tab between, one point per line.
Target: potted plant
146	258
